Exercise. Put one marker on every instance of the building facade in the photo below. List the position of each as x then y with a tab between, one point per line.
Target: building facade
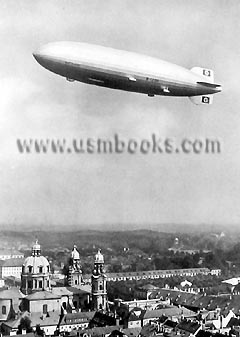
11	267
35	272
99	284
74	271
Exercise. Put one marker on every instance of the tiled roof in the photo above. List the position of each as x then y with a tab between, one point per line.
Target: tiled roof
100	331
10	252
78	317
136	314
202	333
233	322
169	312
132	332
14	262
188	326
169	323
176	296
14	323
61	291
225	302
11	293
42	295
78	290
51	319
218	334
162	319
84	287
153	273
101	319
148	287
116	333
148	330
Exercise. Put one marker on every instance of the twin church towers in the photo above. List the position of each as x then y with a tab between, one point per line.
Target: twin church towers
36	275
99	284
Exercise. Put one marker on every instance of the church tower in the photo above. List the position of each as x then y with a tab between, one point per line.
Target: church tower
74	271
35	272
99	284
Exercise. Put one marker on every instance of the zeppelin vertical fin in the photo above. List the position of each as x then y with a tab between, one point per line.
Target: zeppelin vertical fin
207	73
204	99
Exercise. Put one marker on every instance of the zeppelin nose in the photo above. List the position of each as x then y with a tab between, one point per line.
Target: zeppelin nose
37	55
40	56
52	56
46	55
43	54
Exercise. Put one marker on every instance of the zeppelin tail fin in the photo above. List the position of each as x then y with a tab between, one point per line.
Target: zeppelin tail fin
211	85
207	73
209	82
204	99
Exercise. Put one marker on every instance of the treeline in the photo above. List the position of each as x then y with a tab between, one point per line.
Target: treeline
146	241
211	260
136	250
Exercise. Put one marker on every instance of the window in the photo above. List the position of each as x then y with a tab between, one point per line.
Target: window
40	269
30	269
4	310
45	308
35	283
40	284
29	284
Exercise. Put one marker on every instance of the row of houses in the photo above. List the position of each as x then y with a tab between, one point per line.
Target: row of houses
13	267
51	322
196	302
175	313
156	274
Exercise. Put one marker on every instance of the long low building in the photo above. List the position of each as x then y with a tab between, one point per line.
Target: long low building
6	254
152	274
11	267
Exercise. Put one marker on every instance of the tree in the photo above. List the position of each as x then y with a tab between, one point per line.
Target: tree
39	331
25	324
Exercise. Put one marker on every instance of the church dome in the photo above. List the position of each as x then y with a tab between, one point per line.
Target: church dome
99	257
36	263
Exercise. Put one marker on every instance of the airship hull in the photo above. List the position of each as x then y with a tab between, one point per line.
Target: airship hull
122	70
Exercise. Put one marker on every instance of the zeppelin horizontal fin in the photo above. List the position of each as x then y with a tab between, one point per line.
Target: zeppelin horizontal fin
210	85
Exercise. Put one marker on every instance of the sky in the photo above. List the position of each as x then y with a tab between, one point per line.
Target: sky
118	191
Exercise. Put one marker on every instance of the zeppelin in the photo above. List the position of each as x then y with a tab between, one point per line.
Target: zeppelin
124	70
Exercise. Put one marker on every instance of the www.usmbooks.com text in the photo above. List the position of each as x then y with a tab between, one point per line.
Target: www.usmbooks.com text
119	145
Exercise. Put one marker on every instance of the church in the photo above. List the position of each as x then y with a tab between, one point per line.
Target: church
53	308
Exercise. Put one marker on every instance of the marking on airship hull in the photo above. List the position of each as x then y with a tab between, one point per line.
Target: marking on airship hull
205	99
95	80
